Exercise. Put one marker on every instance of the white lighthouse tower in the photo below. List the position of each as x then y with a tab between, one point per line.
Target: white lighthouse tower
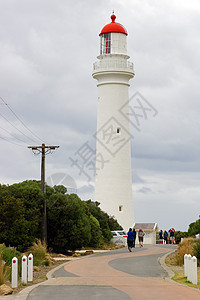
113	185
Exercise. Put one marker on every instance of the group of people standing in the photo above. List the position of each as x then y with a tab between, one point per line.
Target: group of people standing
131	237
168	237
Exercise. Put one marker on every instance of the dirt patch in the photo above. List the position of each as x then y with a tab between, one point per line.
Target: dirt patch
170	260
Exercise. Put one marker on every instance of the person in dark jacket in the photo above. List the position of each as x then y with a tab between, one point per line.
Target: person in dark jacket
161	234
166	237
134	237
130	238
172	238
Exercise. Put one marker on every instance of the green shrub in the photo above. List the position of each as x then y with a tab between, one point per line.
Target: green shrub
179	235
194	228
46	262
8	253
21	211
97	237
68	223
102	218
72	223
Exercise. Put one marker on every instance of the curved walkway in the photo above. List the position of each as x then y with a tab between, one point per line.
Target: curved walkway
118	275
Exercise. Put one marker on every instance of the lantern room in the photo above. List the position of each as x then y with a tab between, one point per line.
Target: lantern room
113	38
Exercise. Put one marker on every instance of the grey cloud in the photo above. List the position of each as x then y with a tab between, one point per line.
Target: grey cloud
144	190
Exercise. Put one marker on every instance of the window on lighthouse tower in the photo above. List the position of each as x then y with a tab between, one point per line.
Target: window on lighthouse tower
105	43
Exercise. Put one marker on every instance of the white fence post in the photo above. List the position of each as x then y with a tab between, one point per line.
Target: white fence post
194	270
189	268
185	265
24	269
14	272
30	267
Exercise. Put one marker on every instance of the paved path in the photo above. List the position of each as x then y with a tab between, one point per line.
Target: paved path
117	275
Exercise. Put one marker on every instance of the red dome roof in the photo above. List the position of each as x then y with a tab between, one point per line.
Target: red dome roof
113	27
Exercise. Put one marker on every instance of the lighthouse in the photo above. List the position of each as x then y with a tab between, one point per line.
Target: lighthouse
113	70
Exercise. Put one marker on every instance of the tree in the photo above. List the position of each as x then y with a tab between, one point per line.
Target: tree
12	223
21	214
60	189
97	240
71	223
179	235
68	224
112	223
102	218
194	228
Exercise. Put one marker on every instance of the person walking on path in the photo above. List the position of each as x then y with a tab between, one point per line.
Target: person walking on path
161	234
165	237
141	237
130	238
172	238
134	237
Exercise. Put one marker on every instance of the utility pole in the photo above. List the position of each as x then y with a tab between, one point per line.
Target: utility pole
43	150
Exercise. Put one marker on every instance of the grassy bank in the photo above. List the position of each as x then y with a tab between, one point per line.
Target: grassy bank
175	262
179	277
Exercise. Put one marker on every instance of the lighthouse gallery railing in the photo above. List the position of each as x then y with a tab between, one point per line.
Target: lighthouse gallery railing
113	64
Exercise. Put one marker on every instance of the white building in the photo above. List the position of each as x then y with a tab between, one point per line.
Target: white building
113	186
150	230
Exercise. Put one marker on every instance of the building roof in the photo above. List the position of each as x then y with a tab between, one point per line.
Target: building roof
145	226
113	27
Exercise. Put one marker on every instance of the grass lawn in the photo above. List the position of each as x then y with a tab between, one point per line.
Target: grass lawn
179	277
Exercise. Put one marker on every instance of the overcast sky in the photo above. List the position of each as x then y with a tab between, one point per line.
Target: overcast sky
47	51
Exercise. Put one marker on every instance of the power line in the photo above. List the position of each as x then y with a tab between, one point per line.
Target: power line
17	128
21	120
12	135
10	141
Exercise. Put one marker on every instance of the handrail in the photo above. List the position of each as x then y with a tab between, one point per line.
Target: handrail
113	64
